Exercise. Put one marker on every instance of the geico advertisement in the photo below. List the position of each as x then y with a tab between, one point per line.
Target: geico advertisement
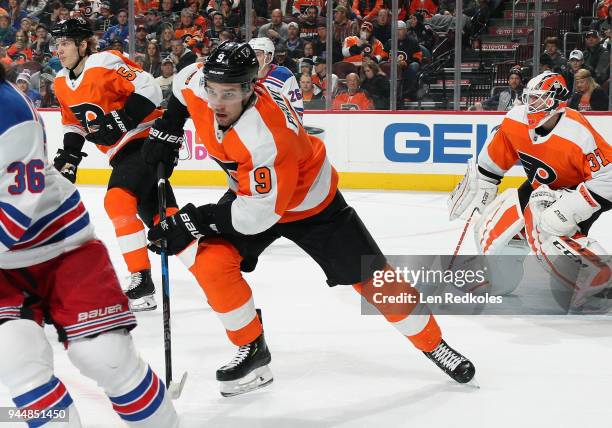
392	143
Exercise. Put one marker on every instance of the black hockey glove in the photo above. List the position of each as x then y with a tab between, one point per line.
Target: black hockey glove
163	145
67	162
188	224
108	129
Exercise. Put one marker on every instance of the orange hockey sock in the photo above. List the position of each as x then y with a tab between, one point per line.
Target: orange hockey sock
121	207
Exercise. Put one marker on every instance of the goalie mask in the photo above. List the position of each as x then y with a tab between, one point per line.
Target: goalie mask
544	96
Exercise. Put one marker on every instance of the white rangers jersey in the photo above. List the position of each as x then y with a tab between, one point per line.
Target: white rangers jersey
281	79
41	213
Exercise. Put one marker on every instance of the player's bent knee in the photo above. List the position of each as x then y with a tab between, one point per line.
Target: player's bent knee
28	362
118	201
110	359
218	261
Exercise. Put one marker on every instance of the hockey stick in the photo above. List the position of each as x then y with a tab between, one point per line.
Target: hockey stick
465	228
174	389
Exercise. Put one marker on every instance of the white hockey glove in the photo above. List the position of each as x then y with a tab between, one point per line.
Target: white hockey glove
571	207
474	189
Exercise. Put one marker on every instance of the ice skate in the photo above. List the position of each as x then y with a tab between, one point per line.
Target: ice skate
141	292
248	370
453	363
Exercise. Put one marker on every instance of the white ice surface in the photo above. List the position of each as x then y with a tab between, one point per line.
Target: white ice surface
336	368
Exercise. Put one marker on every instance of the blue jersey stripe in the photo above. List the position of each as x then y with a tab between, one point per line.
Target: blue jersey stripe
36	393
15	214
67	232
68	204
18	113
136	392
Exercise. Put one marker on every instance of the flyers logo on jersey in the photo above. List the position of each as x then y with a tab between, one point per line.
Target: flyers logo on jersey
537	170
86	113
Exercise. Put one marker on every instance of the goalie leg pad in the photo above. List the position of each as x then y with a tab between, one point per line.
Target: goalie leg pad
27	370
500	222
136	393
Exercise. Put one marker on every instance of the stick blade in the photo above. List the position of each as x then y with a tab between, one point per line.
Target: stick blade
175	389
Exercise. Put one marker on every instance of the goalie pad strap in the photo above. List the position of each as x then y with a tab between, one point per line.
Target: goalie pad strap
499	223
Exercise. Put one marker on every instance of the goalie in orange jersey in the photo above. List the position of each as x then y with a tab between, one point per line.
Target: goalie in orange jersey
569	163
281	184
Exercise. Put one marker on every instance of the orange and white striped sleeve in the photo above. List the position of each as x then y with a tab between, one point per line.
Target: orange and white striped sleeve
497	156
267	177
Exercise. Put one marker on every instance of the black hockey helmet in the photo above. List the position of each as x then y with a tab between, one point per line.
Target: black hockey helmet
72	28
232	62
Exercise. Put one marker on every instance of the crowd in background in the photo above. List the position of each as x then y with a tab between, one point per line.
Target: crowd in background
171	34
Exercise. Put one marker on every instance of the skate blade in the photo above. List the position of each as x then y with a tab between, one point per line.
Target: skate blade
146	303
175	389
258	378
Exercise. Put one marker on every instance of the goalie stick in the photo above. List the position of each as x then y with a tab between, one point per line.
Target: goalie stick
465	228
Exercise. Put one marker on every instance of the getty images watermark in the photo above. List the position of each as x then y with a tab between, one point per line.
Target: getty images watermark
471	285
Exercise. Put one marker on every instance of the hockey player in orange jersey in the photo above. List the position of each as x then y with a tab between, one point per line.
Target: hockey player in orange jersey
281	184
569	163
109	100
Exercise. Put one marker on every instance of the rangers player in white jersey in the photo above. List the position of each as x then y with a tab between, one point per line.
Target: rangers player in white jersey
53	269
275	77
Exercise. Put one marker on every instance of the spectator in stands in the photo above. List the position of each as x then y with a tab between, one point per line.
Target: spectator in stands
119	31
409	57
153	23
588	95
575	63
16	14
300	8
165	44
376	84
140	40
603	24
442	21
308	25
353	98
546	63
187	26
42	42
46	92
63	14
382	26
319	77
152	60
181	56
282	59
366	10
167	12
21	46
355	49
427	8
214	32
596	57
23	83
479	16
34	8
28	29
343	27
507	98
295	45
105	18
312	95
276	30
165	80
7	32
231	18
320	44
117	45
309	50
551	48
306	66
142	6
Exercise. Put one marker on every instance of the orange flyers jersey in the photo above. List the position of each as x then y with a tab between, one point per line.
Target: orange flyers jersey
105	84
357	101
278	172
572	153
376	50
